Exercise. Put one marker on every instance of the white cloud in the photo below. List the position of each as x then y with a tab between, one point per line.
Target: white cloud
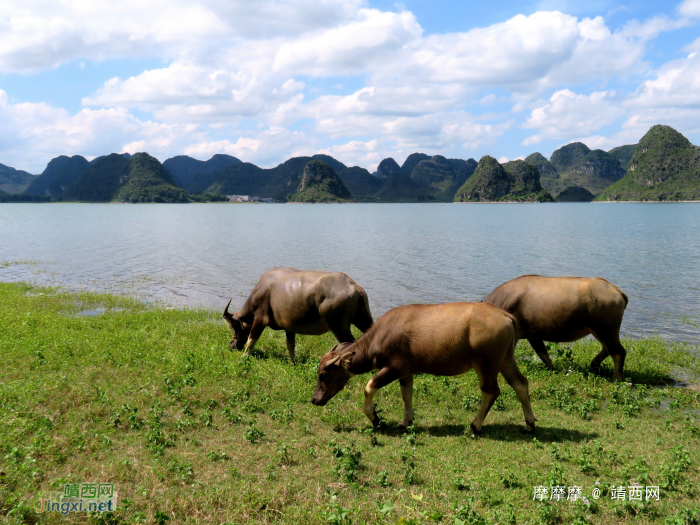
670	97
567	114
243	147
599	54
40	34
689	8
677	85
653	26
349	49
358	153
266	148
532	140
232	66
32	134
43	34
189	92
693	47
407	72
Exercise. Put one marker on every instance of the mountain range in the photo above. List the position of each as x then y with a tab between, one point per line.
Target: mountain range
664	166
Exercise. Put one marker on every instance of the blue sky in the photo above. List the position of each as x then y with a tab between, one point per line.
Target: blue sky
359	80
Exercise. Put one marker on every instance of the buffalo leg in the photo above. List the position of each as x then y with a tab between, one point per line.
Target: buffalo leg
597	360
406	384
383	378
541	351
363	320
518	382
290	345
255	332
611	346
343	335
488	379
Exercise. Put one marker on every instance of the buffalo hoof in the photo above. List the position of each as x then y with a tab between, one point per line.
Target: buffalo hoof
530	432
474	429
376	422
403	427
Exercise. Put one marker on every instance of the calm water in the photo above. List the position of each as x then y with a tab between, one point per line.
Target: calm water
203	254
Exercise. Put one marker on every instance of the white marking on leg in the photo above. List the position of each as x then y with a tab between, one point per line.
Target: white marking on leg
368	407
249	345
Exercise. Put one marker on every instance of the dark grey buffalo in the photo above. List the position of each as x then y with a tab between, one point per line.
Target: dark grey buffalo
565	309
300	302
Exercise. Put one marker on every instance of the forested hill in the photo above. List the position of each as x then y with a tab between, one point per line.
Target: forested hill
320	183
197	175
576	165
515	181
665	167
14	181
116	178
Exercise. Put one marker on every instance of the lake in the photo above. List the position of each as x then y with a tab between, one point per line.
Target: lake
204	254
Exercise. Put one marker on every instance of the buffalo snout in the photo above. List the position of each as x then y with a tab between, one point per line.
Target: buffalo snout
318	398
236	344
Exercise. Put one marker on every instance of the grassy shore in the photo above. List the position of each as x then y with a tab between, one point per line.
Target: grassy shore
151	399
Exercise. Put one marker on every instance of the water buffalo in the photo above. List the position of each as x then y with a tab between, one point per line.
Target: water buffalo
565	309
444	340
300	302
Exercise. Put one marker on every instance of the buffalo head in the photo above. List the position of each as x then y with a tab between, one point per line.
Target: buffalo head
240	330
333	374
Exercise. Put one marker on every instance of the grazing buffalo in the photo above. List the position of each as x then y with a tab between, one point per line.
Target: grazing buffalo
299	302
565	309
444	340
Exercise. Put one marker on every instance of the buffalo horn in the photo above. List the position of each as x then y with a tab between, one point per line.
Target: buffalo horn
226	314
334	360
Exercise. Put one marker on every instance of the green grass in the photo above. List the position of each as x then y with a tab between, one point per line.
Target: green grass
151	399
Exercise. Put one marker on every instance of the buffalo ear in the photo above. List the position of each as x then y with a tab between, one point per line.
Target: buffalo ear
345	360
333	349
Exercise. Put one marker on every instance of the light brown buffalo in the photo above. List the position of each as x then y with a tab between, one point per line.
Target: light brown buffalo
444	340
300	302
565	309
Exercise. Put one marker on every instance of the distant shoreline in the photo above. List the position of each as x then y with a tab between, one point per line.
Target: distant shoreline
639	202
359	202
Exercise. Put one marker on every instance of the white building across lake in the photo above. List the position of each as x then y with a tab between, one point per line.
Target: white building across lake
248	198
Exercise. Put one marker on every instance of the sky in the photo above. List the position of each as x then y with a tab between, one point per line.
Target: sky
360	80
